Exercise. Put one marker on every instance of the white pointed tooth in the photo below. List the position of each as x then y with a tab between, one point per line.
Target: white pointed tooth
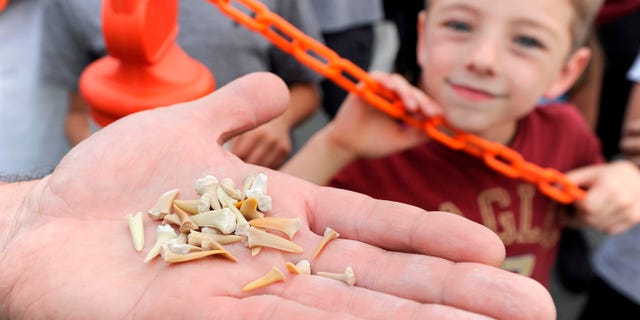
136	228
274	275
302	267
249	209
162	207
246	184
181	238
172	257
223	220
186	222
259	184
172	219
229	188
228	202
207	189
204	203
190	206
181	248
196	238
288	226
203	184
164	234
258	190
329	234
209	244
255	251
347	276
259	238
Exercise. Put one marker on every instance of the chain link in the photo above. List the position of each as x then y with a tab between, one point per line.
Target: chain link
352	78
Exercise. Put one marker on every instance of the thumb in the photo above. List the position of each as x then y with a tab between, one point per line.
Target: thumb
585	176
239	106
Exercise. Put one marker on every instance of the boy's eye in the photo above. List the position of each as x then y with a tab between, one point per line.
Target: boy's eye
528	42
458	26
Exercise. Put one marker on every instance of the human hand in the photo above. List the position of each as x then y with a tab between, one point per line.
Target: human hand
370	133
66	250
268	145
611	204
77	121
630	143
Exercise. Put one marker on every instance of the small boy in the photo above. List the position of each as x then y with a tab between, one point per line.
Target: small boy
487	64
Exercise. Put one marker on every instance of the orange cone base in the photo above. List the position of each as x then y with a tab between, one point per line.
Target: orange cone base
114	89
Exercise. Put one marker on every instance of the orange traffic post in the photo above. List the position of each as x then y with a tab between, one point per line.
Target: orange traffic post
144	68
3	4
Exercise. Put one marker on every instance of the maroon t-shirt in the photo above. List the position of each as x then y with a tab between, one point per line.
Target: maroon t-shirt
613	10
434	177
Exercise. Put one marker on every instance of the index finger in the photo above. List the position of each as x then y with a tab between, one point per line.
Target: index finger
400	227
426	277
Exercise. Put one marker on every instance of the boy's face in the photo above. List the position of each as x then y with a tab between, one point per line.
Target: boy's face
489	62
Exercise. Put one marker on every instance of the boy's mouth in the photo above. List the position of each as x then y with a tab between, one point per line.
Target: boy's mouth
471	93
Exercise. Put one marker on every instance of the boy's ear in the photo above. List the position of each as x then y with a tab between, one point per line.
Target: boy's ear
422	25
572	69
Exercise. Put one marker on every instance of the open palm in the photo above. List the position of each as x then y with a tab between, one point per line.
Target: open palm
71	256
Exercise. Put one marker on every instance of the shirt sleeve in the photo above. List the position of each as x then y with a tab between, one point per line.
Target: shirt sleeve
64	48
299	13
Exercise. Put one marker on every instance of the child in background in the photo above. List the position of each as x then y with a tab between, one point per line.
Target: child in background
487	64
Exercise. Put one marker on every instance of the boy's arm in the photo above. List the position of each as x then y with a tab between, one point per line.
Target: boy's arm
77	121
361	131
320	159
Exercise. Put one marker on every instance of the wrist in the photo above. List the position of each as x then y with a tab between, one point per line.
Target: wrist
285	123
333	145
320	159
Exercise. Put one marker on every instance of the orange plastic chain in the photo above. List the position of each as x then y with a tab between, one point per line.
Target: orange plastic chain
353	79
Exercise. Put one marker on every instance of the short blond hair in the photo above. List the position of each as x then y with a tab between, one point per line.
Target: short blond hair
585	13
581	25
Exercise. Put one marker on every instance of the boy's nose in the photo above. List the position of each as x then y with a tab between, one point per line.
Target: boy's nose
484	58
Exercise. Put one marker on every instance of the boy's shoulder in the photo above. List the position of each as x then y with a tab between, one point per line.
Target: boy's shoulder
557	112
556	118
557	135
